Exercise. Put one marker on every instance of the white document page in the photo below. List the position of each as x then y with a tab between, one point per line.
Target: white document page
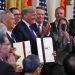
39	47
19	51
27	48
48	49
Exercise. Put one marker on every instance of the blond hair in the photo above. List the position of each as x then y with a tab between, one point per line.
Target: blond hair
29	9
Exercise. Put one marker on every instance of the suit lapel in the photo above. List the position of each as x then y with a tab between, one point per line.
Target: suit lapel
10	39
27	30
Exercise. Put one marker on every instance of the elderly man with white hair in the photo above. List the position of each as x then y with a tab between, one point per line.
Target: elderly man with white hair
3	28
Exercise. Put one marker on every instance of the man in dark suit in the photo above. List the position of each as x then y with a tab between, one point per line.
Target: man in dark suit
23	31
41	27
9	20
9	23
72	27
59	13
5	68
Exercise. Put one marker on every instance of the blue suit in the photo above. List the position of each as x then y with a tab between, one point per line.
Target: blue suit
23	33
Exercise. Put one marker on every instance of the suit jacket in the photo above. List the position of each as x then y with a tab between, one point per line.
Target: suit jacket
23	33
52	68
53	27
72	27
6	69
10	39
36	29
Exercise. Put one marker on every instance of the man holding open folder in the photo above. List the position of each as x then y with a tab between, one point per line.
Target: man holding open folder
23	31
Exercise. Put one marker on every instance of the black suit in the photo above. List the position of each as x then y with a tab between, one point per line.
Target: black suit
52	69
72	26
53	27
6	69
23	33
11	40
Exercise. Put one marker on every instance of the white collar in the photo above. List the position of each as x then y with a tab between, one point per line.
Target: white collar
56	22
1	58
9	33
38	24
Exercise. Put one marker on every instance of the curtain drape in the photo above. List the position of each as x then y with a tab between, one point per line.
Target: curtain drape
15	3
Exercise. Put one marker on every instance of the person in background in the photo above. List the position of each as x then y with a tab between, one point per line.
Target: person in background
69	64
71	27
9	21
59	13
7	18
17	13
5	55
62	40
73	43
41	27
9	25
32	65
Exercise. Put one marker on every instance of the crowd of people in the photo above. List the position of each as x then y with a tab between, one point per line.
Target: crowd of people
29	24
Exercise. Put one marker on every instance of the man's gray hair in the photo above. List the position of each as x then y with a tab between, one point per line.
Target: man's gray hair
3	28
2	38
2	16
29	9
30	63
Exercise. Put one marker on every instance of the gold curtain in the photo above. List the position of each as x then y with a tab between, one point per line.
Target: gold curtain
14	3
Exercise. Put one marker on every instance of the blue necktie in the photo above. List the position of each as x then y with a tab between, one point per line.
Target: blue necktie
32	32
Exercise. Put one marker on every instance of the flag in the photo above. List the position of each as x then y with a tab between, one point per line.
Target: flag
2	4
74	11
42	3
63	4
27	2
